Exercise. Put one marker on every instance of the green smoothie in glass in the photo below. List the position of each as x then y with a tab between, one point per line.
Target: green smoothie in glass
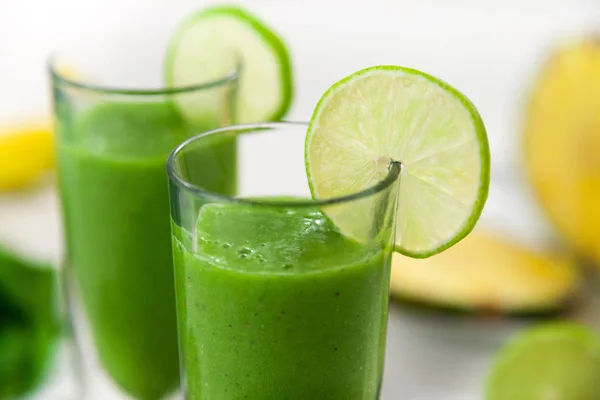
115	204
273	300
267	295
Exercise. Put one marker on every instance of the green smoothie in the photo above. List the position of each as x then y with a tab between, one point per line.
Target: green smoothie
116	216
274	303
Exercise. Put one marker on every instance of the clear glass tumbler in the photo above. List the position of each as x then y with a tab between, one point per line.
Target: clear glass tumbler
112	145
278	296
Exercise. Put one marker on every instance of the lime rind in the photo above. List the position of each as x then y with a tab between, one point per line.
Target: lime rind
555	334
479	140
268	38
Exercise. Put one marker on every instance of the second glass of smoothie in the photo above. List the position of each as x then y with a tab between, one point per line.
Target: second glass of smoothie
113	138
273	300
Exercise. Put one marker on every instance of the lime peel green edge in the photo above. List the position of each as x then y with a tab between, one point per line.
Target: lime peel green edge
268	37
484	149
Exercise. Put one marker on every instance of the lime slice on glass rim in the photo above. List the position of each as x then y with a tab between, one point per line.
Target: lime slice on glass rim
390	113
558	361
210	44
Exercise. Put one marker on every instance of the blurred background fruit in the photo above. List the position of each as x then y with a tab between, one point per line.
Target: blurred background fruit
552	361
487	273
562	142
26	155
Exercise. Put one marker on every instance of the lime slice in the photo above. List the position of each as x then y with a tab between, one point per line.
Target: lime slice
559	361
210	44
387	113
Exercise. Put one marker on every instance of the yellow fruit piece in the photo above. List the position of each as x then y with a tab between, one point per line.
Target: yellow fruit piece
562	143
26	154
483	272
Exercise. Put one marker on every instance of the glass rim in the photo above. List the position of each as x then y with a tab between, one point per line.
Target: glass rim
394	171
58	78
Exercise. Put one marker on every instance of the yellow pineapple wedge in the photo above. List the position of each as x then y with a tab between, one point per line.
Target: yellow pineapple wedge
562	143
486	273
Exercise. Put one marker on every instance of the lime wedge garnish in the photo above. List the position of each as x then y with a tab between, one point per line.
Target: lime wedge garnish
387	113
559	361
211	44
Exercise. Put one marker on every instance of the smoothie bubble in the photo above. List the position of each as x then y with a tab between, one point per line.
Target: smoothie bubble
245	252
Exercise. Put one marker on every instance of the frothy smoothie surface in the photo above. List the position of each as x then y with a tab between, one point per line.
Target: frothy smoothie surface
274	241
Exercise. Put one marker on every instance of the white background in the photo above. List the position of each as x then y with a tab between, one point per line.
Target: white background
490	50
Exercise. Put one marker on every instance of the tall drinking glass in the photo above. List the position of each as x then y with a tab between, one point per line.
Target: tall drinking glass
112	145
278	296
